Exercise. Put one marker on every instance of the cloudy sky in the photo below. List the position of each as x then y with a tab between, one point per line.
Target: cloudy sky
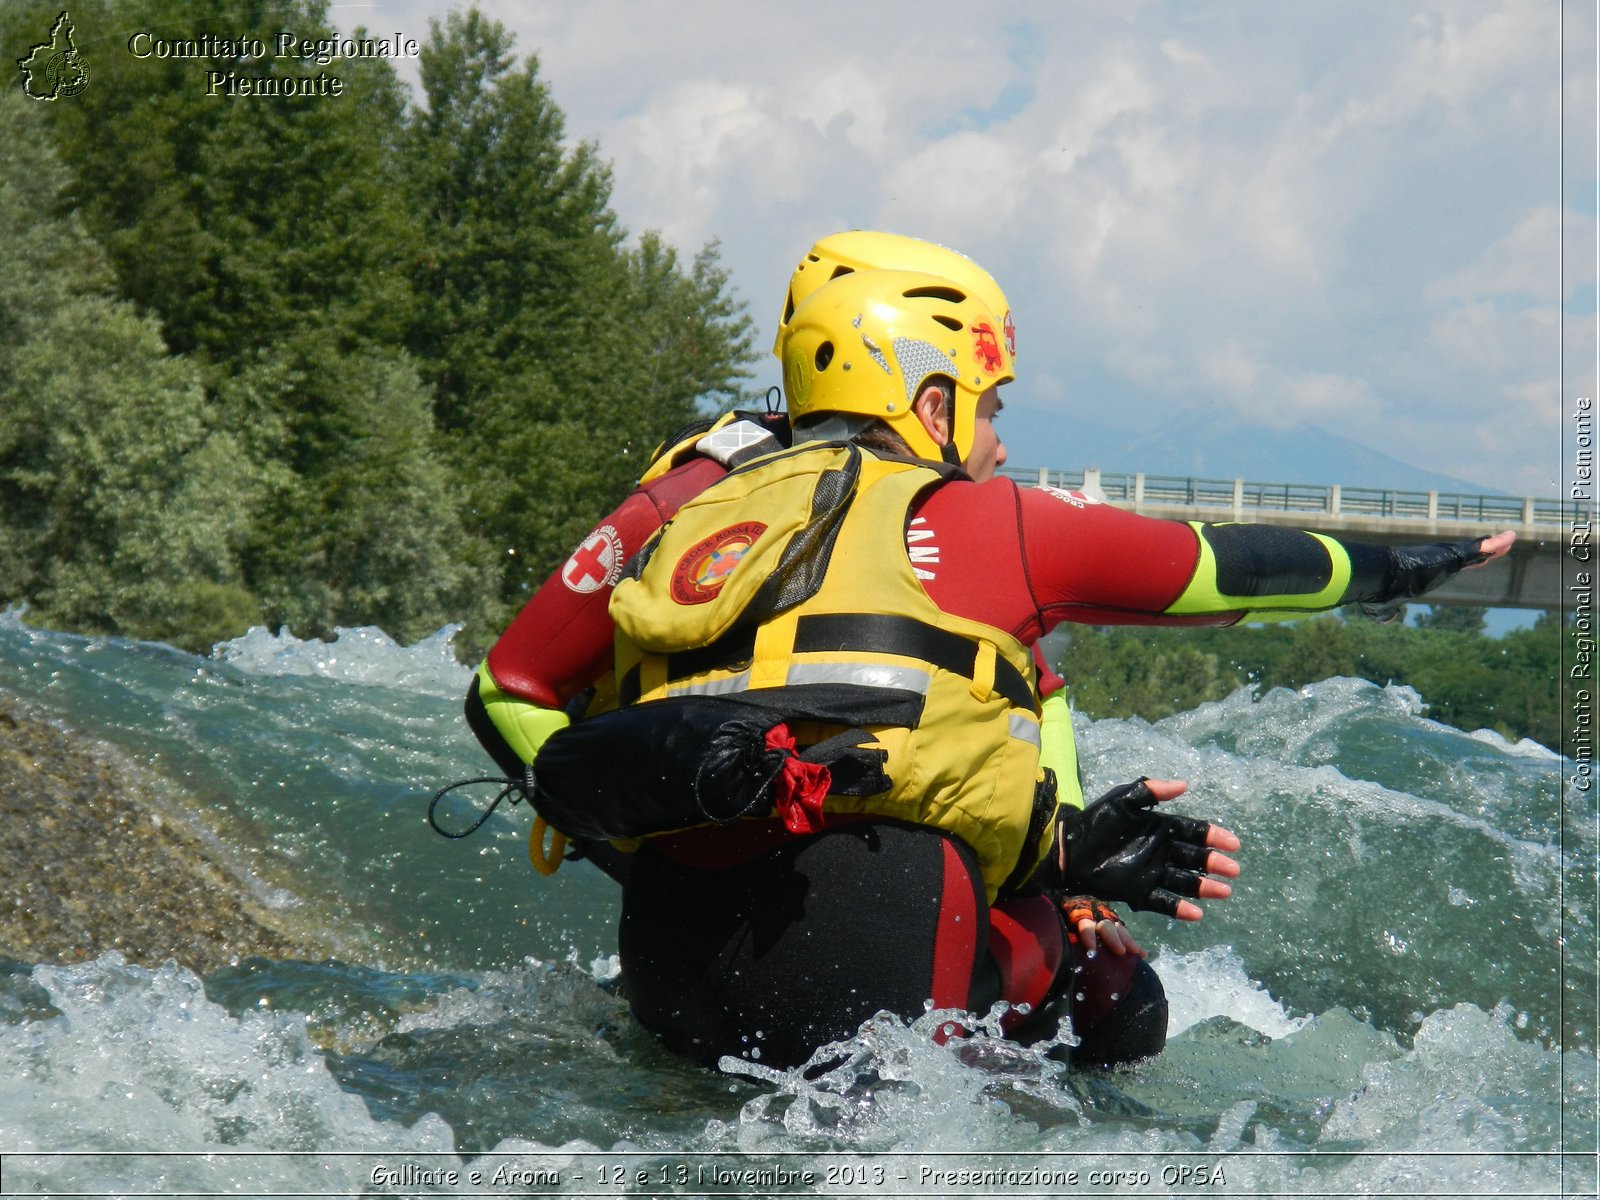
1358	213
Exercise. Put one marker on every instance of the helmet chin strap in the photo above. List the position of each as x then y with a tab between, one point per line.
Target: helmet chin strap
948	451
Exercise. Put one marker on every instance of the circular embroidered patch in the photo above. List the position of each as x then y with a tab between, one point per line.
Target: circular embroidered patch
705	566
595	564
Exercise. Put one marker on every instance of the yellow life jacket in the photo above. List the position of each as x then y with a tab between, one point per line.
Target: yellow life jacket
788	583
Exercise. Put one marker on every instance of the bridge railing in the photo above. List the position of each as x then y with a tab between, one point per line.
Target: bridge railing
1234	494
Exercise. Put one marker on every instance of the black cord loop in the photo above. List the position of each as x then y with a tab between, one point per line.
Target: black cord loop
517	789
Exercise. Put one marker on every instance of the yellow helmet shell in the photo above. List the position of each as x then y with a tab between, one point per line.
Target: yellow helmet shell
867	342
867	250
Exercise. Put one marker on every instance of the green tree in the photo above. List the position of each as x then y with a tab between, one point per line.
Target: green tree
558	355
273	241
1153	675
421	322
1454	618
516	232
368	530
1319	648
122	507
240	224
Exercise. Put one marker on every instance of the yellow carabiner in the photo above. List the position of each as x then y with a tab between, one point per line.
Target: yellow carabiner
546	862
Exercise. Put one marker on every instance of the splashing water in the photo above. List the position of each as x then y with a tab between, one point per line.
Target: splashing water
1392	1003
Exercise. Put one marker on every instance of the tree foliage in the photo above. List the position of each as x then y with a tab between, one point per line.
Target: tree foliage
123	504
318	361
558	355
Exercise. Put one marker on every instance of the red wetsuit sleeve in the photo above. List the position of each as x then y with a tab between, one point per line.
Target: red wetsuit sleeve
561	641
1097	565
1049	682
1026	560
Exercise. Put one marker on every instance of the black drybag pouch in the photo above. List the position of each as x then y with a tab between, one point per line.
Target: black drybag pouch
688	760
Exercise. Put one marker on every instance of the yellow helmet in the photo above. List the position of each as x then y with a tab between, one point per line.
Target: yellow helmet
865	250
867	343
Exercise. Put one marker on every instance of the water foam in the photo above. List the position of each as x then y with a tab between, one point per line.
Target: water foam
1211	983
366	656
140	1060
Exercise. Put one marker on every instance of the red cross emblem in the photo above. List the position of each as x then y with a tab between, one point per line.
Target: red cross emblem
595	564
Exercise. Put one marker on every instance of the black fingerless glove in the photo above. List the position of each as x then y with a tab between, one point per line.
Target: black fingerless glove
1385	577
1118	848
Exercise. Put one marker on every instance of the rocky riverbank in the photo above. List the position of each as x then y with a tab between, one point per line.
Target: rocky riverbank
92	859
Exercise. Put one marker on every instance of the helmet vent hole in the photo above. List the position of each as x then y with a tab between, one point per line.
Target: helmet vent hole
947	321
841	269
953	295
824	355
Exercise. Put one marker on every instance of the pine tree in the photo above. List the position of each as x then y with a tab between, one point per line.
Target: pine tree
558	355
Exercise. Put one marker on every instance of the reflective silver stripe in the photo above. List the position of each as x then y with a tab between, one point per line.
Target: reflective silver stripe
714	687
883	675
920	358
1024	729
878	675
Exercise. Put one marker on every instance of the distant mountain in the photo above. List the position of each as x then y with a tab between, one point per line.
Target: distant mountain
1209	447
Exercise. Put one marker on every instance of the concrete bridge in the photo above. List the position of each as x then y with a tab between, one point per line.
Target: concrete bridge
1538	573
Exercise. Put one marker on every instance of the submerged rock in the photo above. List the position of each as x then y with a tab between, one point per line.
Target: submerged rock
92	859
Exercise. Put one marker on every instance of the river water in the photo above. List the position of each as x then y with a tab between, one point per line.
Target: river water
1399	1000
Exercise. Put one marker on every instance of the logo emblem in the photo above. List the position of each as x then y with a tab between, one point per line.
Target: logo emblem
53	69
987	347
706	565
1076	499
595	564
1010	331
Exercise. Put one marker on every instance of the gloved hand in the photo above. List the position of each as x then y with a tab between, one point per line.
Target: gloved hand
1410	572
1089	923
1119	848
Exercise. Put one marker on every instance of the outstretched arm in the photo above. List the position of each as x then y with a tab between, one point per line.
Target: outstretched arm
1124	568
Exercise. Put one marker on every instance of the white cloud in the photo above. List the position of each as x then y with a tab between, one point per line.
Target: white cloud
1177	52
682	143
1527	262
1275	209
1498	345
1277	397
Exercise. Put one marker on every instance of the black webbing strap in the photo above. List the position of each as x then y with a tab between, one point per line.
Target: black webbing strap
882	633
864	633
